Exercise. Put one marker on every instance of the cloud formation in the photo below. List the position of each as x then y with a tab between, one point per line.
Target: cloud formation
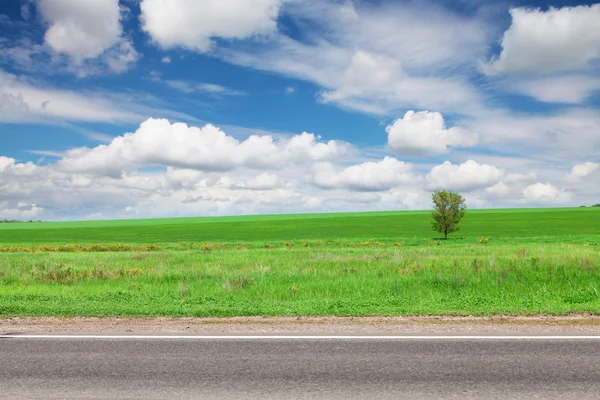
424	133
572	89
365	177
85	30
305	185
81	29
584	170
558	39
467	176
195	25
158	142
362	59
540	193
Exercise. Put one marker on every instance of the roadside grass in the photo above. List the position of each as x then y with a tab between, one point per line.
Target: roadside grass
587	240
515	262
355	278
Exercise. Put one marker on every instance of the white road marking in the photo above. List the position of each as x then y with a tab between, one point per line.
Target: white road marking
296	337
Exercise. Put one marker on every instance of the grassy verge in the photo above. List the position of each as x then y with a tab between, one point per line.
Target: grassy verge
347	278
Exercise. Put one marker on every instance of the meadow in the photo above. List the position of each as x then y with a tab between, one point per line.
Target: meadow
522	261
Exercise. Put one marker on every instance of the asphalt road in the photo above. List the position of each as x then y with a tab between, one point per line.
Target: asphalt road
307	368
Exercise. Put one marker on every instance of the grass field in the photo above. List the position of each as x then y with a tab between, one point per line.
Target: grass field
534	261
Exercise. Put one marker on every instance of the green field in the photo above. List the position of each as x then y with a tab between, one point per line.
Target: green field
535	261
505	225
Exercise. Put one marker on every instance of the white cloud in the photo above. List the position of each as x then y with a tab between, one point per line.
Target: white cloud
166	60
6	162
378	59
88	30
422	37
25	101
22	213
13	105
194	25
545	193
424	133
366	71
196	199
510	187
121	57
500	189
584	170
158	142
560	89
38	103
202	87
81	29
45	192
360	199
369	176
559	137
546	41
361	80
185	178
264	181
467	176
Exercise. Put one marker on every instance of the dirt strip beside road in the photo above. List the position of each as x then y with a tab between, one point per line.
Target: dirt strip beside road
497	324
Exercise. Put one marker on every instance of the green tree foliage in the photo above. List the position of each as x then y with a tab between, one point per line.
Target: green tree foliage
449	209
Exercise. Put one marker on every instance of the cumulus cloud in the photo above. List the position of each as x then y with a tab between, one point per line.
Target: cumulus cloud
367	177
85	30
510	186
366	72
467	176
352	200
82	29
500	189
22	213
50	193
545	193
553	40
189	178
31	191
584	170
6	162
196	199
195	25
424	133
264	181
158	142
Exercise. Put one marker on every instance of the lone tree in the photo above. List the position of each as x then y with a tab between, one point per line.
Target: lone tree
449	208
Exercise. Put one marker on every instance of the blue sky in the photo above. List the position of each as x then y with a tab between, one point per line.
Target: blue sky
119	109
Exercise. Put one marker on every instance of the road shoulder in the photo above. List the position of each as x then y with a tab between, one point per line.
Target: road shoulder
582	324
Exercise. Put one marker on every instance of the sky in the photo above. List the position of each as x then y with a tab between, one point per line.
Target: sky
166	108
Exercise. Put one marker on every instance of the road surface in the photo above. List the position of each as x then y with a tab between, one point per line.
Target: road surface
299	367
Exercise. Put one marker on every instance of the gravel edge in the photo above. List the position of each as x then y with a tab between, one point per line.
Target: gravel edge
343	325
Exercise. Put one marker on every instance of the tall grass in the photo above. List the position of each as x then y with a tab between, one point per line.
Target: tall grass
375	278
